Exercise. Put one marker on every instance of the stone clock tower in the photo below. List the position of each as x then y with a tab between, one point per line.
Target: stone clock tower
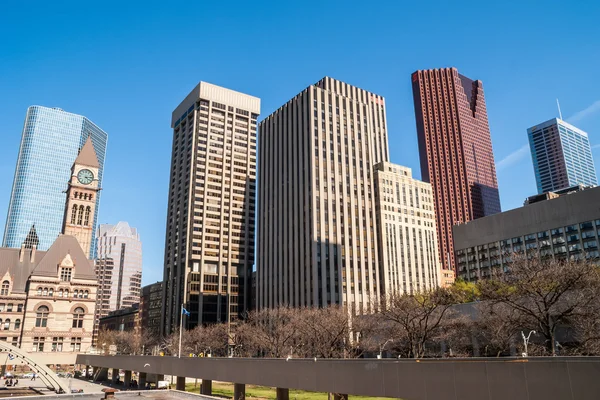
80	209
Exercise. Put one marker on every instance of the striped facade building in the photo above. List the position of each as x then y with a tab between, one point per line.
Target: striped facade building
317	230
455	148
209	246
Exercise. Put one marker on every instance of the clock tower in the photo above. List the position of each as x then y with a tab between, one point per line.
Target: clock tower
80	209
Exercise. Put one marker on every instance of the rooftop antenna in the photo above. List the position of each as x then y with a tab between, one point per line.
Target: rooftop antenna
559	113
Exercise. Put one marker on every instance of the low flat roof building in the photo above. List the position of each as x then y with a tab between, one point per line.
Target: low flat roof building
563	226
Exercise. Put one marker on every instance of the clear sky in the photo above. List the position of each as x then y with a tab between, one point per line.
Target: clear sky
126	65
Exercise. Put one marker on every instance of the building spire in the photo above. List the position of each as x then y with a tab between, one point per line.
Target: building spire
87	155
32	239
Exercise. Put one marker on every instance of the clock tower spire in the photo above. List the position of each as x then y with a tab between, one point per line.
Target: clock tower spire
80	208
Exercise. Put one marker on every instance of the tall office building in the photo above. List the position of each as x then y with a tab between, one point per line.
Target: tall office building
455	149
209	249
562	156
118	267
408	248
317	232
50	142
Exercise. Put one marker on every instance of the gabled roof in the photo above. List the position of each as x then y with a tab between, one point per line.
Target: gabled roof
65	245
87	156
19	271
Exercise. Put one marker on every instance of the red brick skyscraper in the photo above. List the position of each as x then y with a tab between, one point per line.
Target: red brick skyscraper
455	149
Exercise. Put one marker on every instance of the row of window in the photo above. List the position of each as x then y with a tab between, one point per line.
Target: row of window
6	325
42	313
10	307
81	294
57	344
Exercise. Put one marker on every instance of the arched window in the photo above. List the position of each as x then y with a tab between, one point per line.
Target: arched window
45	292
80	294
39	292
17	324
74	214
86	294
41	317
86	221
7	324
75	293
78	315
4	290
51	292
60	293
66	292
80	215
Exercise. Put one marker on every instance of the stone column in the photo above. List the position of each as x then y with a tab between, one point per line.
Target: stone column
127	379
115	375
180	383
239	391
206	387
142	381
283	394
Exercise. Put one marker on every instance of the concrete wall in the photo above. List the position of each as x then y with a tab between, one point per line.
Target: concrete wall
565	210
567	378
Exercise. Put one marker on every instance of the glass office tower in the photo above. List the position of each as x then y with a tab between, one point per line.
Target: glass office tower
50	143
562	156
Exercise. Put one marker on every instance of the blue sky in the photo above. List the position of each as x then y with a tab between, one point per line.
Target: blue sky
126	65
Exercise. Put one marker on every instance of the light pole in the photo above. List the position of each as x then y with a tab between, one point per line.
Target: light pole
526	341
381	347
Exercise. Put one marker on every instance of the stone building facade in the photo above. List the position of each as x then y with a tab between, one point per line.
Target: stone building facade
47	298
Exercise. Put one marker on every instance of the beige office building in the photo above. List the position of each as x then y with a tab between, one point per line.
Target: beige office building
408	248
209	249
317	230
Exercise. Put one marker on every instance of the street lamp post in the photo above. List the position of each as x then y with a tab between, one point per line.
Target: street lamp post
526	341
381	347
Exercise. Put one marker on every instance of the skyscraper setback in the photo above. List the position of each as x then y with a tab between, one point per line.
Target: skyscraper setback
562	156
317	225
455	149
209	249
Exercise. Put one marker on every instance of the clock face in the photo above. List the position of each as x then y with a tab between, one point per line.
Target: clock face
85	176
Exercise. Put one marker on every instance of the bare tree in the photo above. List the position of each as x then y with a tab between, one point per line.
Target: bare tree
272	332
547	293
497	327
326	333
414	320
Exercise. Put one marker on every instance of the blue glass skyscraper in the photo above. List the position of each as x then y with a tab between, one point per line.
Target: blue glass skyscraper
50	144
562	156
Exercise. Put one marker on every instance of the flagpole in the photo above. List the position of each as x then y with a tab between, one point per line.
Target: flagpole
180	329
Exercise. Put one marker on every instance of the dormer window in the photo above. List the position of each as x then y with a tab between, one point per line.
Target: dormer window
5	287
66	274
